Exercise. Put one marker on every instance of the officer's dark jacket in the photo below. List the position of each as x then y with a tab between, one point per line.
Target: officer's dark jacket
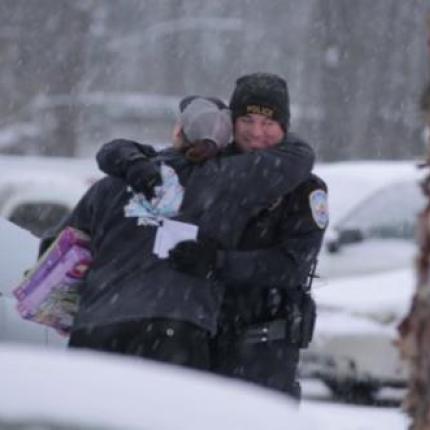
274	258
126	280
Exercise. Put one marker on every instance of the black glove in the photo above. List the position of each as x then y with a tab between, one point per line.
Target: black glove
197	258
143	175
116	156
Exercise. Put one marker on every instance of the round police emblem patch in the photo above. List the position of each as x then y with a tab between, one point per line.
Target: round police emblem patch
319	207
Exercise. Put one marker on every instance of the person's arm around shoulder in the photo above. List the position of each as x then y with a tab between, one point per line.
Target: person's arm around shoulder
285	165
132	162
266	173
114	157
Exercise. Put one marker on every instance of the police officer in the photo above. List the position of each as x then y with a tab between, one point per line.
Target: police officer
268	313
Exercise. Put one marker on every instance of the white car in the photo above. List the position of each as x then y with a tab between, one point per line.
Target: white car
36	192
77	390
18	253
366	276
373	207
353	349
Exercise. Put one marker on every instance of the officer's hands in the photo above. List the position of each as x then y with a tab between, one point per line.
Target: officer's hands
143	175
197	258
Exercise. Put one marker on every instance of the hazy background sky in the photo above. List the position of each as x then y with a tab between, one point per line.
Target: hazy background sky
76	74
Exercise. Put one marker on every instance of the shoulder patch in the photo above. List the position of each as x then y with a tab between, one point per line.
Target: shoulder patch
319	207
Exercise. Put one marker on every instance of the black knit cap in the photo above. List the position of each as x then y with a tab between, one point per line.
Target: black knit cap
261	93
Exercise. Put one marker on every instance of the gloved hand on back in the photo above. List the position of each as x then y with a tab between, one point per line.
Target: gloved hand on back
197	258
143	175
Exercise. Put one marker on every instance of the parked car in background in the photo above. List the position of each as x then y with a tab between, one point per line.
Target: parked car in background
373	209
353	350
76	390
366	276
36	192
18	253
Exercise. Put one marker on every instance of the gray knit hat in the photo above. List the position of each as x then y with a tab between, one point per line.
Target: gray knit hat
203	119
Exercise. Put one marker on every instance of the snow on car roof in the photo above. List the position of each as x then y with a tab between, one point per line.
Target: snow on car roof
58	178
44	165
349	182
89	388
384	297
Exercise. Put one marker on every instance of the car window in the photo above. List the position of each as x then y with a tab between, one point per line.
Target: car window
389	213
38	217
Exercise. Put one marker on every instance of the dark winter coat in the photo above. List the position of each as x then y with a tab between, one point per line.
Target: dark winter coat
276	252
127	281
267	314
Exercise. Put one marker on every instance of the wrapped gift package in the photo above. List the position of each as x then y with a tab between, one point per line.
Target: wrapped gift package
49	293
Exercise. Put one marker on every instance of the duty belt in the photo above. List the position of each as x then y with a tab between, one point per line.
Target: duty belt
265	332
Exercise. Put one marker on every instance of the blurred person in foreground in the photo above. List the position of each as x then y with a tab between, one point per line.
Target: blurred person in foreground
268	214
134	301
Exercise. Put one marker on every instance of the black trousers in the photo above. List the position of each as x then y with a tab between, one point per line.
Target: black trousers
171	341
271	364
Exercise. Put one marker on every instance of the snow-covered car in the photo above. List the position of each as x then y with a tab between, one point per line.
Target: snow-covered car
373	207
36	192
76	390
353	350
18	253
366	276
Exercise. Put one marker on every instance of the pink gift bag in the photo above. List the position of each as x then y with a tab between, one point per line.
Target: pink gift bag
49	293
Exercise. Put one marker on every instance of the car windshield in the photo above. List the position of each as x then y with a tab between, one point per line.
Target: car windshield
38	217
389	213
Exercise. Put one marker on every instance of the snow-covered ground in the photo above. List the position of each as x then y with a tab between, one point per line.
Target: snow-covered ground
343	417
95	390
318	403
91	390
